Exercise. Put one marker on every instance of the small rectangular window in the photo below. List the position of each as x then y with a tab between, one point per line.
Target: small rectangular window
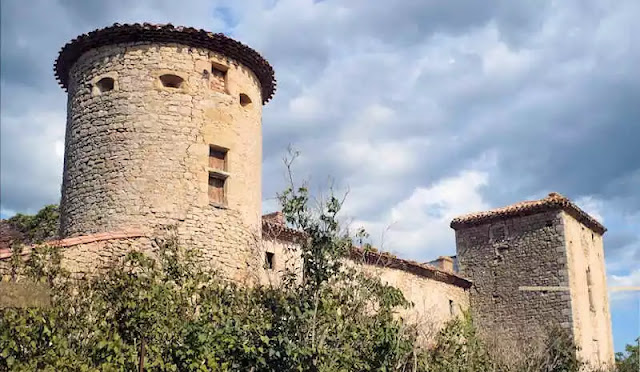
268	261
218	77
217	158
216	189
217	174
452	309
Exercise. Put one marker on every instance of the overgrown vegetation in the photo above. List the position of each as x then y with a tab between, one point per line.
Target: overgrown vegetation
169	313
39	227
629	361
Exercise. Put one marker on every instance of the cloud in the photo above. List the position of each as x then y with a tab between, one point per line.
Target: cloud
423	109
418	226
538	97
625	298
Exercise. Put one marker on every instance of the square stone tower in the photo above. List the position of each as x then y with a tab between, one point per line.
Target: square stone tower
535	265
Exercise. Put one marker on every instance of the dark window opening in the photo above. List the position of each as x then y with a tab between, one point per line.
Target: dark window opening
244	100
217	158
171	81
269	261
105	84
550	223
452	309
218	70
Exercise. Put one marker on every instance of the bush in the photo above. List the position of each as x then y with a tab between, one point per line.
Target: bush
171	314
168	313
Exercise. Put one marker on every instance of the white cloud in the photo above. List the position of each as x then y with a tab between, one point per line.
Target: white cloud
418	226
631	281
592	206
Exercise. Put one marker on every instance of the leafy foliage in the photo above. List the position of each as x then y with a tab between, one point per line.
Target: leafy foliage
189	319
170	313
629	361
39	227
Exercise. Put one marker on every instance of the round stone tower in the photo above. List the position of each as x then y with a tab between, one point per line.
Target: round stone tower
164	128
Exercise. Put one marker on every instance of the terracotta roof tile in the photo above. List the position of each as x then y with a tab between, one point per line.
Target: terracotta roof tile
553	201
385	259
167	33
272	227
6	253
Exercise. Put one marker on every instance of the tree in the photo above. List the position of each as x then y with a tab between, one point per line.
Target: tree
39	227
629	361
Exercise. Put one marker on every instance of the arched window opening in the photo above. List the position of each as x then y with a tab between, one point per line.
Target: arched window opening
244	100
171	81
105	84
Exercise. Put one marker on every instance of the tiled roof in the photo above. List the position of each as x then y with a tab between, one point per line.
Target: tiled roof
385	259
128	33
273	225
5	253
553	201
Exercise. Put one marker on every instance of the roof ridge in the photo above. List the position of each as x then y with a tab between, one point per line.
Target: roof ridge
552	201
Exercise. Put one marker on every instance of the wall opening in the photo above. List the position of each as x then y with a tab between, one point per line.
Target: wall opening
244	100
592	306
105	84
218	79
217	158
452	310
216	189
217	175
171	81
269	260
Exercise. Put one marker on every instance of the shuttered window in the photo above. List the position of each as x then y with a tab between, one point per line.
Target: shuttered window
217	175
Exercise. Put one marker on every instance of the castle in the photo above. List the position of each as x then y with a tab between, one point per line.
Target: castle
164	129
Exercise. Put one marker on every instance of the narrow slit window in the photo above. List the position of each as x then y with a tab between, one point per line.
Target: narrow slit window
171	81
452	309
269	260
105	84
592	305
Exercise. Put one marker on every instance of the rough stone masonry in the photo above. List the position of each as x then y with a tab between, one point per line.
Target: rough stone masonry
164	133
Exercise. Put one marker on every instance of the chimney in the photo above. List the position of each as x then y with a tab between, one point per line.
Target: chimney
276	218
444	263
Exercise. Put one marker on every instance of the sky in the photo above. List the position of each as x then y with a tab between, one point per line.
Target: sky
421	109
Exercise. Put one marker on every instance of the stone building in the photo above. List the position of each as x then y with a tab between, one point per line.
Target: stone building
164	131
537	264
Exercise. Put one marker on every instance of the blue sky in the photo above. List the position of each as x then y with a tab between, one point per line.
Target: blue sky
423	109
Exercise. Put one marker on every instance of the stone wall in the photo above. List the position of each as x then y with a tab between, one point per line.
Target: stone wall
499	258
136	156
434	302
587	280
281	257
